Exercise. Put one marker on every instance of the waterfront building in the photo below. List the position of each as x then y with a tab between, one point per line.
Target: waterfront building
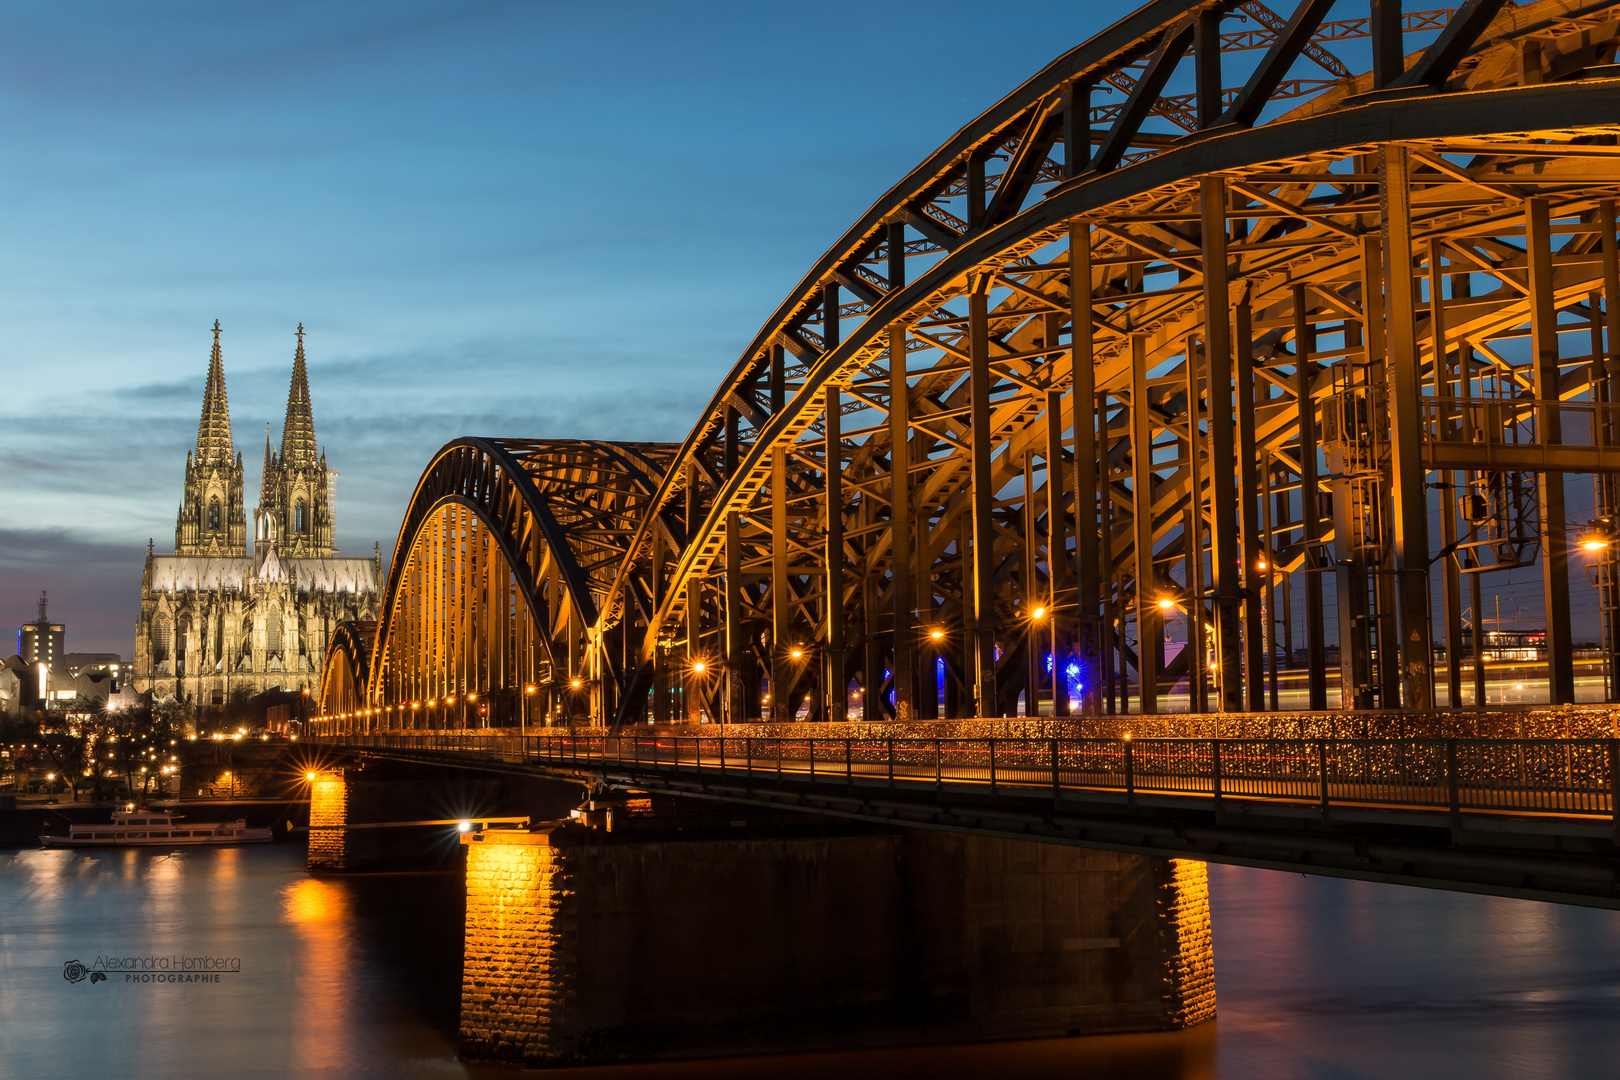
92	678
216	616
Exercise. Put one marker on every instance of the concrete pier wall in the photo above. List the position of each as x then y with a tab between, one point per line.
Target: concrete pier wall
584	946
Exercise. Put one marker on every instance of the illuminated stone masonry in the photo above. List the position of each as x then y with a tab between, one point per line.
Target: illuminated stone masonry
328	816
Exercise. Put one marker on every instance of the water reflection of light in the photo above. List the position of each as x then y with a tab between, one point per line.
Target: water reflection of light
319	912
47	872
1520	928
162	891
228	865
313	902
309	1002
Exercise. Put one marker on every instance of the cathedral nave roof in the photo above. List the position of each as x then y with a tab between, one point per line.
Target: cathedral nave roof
198	573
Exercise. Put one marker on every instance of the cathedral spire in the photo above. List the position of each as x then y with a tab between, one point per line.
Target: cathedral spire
267	479
264	517
298	430
214	431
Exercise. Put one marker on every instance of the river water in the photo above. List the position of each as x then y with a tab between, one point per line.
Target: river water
360	976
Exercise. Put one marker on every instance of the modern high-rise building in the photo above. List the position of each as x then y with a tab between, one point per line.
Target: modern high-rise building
42	641
217	616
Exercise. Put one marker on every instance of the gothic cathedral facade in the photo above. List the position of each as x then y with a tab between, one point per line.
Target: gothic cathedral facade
217	616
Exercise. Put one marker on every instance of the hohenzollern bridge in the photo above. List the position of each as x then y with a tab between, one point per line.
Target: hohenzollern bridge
1186	408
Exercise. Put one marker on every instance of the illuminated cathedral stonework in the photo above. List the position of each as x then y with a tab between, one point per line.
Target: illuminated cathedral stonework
216	616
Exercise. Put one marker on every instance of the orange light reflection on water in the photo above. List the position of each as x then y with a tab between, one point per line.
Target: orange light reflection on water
319	913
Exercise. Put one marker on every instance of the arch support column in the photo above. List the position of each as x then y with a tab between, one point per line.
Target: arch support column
1406	433
983	501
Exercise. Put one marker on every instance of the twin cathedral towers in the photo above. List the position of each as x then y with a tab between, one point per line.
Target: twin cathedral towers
218	616
295	491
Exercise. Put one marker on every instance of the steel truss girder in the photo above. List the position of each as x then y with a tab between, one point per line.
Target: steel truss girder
1299	201
1411	119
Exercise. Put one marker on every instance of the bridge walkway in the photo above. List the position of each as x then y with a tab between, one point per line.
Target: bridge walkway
1519	817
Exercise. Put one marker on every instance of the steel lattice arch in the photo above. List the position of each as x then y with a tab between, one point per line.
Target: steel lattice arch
1196	320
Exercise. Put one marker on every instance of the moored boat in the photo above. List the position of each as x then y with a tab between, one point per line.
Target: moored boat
146	828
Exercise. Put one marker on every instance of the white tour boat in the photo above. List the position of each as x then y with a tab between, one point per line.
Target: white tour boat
144	828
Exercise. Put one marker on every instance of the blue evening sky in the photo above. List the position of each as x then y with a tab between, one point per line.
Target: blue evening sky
498	218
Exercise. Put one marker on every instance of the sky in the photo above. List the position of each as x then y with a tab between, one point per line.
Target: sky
493	218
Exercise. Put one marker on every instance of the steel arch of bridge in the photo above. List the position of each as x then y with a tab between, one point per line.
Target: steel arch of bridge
347	665
995	421
497	601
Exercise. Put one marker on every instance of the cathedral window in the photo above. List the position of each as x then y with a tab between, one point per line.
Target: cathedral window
300	524
160	638
272	631
213	515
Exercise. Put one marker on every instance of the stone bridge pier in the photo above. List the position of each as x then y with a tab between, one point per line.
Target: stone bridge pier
658	937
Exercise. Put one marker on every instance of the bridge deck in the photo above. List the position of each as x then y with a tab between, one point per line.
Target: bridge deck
1519	817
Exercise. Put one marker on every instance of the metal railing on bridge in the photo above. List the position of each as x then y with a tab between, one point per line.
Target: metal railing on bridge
1515	433
1560	777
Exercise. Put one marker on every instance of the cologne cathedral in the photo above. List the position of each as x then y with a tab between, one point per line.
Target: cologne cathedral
218	616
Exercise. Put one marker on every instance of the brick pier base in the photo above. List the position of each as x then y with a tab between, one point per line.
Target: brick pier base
328	816
586	947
